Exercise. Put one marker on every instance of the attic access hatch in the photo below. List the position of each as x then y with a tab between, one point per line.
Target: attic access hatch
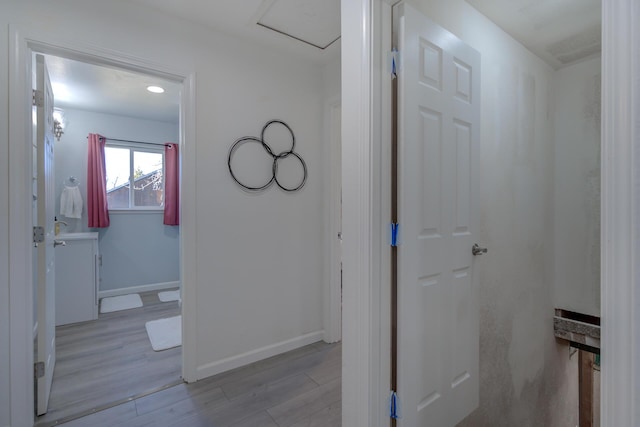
314	22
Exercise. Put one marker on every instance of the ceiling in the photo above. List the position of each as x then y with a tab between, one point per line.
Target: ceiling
561	32
111	90
305	28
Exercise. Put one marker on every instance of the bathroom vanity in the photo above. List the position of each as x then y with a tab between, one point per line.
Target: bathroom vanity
77	278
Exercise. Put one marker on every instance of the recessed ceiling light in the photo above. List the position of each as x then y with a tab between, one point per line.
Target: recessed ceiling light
155	89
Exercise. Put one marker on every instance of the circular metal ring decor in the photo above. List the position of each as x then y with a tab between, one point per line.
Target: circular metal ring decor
276	157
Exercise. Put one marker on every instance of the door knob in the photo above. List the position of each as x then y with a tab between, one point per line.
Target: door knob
477	250
59	243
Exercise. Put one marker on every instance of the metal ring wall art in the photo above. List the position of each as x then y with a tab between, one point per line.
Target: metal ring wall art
276	158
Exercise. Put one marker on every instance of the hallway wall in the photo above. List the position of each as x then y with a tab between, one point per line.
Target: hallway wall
331	84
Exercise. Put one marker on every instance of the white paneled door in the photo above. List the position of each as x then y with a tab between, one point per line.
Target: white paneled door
46	351
438	138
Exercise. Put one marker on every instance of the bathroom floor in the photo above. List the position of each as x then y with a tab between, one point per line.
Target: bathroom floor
110	359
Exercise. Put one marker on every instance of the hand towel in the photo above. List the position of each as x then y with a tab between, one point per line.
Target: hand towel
71	202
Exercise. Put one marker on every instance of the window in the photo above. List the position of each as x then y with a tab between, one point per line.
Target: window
134	167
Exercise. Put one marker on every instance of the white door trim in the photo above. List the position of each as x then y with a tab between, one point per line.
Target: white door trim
333	298
20	221
366	211
357	325
620	201
23	41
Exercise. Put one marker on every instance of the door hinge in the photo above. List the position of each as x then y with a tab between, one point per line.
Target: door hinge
394	405
394	62
37	98
38	234
395	227
38	369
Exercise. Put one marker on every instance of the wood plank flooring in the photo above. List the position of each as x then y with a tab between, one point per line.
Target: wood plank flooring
298	388
110	359
294	389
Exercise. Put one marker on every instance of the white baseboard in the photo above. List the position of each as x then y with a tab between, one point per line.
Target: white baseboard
331	338
138	289
233	362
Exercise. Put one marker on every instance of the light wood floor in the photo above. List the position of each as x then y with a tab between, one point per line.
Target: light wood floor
298	388
110	359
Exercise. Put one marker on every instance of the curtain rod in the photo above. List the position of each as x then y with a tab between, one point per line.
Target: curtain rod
135	142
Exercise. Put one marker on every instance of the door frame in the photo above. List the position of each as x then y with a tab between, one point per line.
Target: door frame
24	41
620	209
365	334
366	211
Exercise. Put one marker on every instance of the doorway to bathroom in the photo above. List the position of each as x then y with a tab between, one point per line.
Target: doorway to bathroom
115	182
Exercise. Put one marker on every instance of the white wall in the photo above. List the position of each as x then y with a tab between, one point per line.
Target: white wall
259	264
331	80
260	257
137	248
331	95
577	187
526	378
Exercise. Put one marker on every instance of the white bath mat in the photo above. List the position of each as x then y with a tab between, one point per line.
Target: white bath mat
165	333
167	296
121	302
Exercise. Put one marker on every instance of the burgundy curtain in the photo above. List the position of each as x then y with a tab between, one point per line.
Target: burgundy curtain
171	185
97	208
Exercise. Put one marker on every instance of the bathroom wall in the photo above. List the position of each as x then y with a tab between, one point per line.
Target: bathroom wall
577	186
526	377
137	248
259	266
